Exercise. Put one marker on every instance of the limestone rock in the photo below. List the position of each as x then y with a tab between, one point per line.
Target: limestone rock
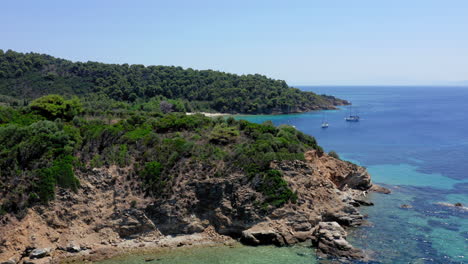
258	236
330	241
379	189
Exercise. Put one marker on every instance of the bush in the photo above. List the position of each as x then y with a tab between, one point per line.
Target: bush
151	175
60	173
54	106
275	189
333	154
62	170
222	134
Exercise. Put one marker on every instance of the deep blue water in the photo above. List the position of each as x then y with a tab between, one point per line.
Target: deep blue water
415	141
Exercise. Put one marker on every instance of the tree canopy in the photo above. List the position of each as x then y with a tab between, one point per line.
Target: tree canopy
54	106
30	75
38	155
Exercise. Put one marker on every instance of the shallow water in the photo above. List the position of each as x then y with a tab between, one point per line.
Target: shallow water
413	140
224	255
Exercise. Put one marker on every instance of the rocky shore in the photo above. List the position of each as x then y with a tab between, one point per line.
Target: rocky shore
109	214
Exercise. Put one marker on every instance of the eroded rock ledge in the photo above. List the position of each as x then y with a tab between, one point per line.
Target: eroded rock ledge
110	212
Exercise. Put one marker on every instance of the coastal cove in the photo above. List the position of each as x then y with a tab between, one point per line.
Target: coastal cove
423	167
413	140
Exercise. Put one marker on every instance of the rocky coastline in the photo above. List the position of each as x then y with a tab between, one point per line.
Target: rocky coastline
109	215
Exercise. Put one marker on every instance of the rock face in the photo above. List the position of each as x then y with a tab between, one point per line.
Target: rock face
330	240
131	222
110	206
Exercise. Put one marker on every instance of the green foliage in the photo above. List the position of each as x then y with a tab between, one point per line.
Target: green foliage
333	154
223	134
54	106
39	155
96	161
275	189
119	155
178	122
36	157
62	169
152	173
138	133
184	89
60	173
46	185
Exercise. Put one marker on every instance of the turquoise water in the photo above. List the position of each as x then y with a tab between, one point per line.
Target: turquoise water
413	140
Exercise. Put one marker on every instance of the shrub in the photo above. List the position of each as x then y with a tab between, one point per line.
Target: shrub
151	174
137	134
275	189
46	185
333	154
60	173
62	170
54	106
222	134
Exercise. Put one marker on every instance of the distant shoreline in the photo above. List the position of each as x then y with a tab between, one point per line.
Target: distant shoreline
208	114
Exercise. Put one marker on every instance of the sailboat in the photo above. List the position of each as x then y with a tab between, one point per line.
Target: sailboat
324	121
352	117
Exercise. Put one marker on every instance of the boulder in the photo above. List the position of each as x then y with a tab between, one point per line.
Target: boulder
346	215
72	248
330	240
10	261
357	178
39	253
379	189
255	237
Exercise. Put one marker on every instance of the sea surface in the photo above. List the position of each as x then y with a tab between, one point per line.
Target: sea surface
413	140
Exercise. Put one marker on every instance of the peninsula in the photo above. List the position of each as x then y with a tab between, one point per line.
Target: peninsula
86	179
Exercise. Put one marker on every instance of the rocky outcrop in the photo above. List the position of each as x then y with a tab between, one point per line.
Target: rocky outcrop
330	240
110	209
131	223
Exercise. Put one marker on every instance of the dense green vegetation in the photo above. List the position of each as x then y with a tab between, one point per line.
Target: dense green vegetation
333	154
109	87
46	144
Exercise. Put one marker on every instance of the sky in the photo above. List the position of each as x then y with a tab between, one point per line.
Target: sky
305	42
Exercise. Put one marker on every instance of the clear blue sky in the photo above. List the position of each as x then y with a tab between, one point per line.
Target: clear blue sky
303	42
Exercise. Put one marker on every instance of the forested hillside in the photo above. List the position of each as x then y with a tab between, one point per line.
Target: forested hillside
44	144
27	76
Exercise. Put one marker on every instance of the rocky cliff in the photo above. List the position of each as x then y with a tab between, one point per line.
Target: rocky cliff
111	211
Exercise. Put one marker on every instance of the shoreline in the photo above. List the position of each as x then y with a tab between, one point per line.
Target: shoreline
145	245
216	114
113	227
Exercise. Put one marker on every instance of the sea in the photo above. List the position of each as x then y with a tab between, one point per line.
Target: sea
414	141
